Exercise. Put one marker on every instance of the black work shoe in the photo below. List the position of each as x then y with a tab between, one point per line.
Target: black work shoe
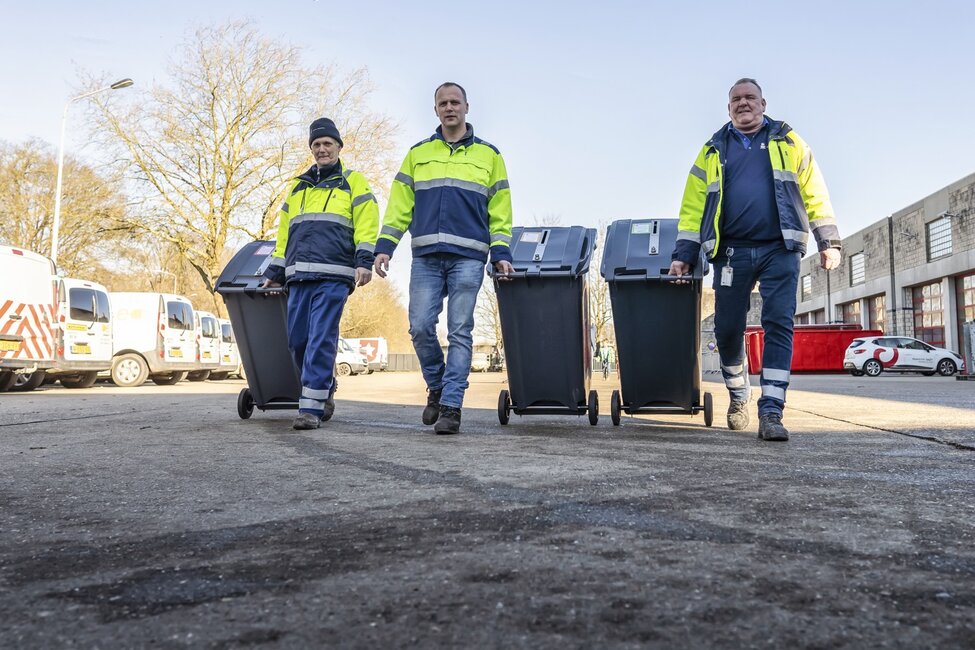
770	427
329	409
737	415
307	421
432	410
448	422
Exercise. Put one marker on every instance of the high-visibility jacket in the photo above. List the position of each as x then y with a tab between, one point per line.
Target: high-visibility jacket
452	199
328	227
800	196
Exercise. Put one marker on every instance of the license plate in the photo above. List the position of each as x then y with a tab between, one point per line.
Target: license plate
226	358
80	348
9	346
207	355
176	352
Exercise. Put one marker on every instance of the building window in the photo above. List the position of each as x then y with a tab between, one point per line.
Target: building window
877	317
806	290
850	312
939	238
929	323
965	294
818	317
802	319
857	273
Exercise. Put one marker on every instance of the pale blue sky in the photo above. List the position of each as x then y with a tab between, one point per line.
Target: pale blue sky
599	108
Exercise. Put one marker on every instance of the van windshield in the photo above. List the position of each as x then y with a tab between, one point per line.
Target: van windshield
209	328
88	305
180	315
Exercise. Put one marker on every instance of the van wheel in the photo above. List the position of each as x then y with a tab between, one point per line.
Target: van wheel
129	370
168	379
26	383
198	375
84	380
343	370
219	376
7	380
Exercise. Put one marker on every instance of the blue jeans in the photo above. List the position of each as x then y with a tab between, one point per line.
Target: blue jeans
314	311
433	278
777	272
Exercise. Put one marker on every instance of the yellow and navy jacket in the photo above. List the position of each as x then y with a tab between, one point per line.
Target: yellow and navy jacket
452	199
800	196
328	226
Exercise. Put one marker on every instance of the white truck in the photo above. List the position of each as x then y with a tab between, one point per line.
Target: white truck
374	349
229	357
154	337
83	333
207	346
26	317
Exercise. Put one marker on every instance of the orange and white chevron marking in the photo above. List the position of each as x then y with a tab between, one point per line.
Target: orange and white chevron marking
34	325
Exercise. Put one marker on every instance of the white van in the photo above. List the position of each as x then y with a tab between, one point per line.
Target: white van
26	317
349	361
154	336
83	333
229	357
207	346
374	349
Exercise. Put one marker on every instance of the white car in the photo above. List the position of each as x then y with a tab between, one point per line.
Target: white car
872	355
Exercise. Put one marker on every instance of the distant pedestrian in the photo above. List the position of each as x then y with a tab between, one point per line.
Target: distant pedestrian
752	195
452	194
326	237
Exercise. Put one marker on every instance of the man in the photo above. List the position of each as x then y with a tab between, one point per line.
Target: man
750	199
452	194
326	237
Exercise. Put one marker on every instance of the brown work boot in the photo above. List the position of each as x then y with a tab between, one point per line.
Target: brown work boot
307	421
737	415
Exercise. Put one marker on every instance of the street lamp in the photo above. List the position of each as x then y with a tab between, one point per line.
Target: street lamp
121	83
167	273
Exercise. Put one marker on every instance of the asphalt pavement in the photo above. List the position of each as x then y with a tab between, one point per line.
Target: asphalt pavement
155	517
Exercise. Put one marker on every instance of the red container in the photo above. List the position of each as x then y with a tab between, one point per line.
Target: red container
815	348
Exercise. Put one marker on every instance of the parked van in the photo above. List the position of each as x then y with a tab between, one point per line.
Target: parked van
26	317
229	357
83	333
349	361
154	336
207	346
374	349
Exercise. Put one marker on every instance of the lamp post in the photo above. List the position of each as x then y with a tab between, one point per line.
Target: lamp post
121	83
167	273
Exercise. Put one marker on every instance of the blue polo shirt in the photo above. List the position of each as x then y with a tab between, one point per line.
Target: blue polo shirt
749	214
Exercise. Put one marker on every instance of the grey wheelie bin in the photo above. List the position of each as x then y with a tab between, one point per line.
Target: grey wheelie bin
657	321
260	321
544	310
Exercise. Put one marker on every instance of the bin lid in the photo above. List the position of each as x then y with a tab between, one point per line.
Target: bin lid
551	250
641	249
245	272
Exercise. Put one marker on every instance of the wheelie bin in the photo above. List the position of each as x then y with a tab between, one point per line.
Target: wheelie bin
259	318
544	313
657	321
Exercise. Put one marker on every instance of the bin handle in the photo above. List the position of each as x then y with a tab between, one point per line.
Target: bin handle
262	291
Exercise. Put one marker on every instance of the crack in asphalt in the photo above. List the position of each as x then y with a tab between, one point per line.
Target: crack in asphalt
948	443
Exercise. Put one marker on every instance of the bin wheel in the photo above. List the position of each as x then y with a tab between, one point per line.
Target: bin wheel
245	404
593	407
708	410
614	408
504	406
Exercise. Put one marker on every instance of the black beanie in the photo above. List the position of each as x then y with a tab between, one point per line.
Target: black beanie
323	127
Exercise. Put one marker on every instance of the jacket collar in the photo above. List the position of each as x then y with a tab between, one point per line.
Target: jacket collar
777	130
313	176
465	141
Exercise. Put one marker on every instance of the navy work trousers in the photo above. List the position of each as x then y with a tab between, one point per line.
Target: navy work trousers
314	311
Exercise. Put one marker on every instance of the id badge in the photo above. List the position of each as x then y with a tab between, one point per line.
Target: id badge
727	275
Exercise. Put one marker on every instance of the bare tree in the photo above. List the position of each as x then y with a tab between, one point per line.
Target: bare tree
210	152
487	317
600	306
91	210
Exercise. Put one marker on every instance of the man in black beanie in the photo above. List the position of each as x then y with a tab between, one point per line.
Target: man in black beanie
326	240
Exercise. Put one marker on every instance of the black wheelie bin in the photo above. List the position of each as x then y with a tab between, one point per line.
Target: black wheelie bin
657	322
260	321
544	310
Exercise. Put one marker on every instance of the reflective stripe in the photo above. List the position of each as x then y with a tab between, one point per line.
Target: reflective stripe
276	261
312	393
366	246
774	392
500	238
785	176
805	161
800	236
774	374
734	370
346	173
318	405
314	267
708	246
497	187
823	221
404	179
734	382
444	238
392	232
362	198
699	173
687	235
713	187
451	182
323	216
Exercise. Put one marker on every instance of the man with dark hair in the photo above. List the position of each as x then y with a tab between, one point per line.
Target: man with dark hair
452	194
750	199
